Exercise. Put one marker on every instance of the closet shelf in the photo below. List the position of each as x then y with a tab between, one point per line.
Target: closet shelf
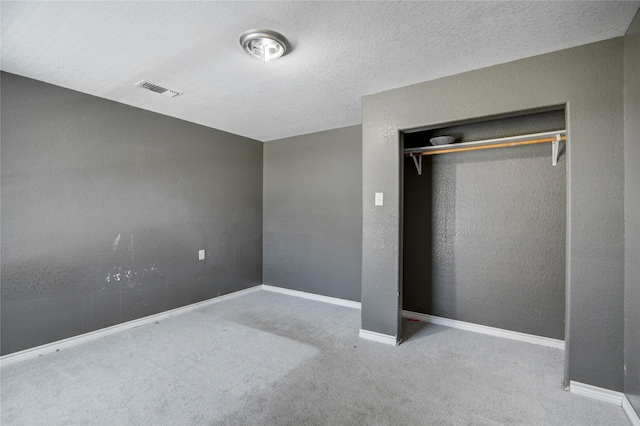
554	137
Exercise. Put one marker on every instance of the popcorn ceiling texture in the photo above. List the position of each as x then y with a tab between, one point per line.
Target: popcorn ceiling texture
341	52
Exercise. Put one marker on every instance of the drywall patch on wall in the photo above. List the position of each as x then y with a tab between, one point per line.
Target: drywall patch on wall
313	213
104	210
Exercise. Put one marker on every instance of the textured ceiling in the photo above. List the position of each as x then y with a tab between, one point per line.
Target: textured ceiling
341	52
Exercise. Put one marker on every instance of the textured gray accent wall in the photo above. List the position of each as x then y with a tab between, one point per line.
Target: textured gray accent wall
632	212
313	213
104	209
484	231
589	80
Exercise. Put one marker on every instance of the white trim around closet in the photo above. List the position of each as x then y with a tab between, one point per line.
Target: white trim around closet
595	392
378	337
630	411
606	395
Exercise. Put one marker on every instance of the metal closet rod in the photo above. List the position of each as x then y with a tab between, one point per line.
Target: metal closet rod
554	137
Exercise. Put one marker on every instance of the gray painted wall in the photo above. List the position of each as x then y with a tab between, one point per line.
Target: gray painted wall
484	231
104	209
312	213
589	80
632	212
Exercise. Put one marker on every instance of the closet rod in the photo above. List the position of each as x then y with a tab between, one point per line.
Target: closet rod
489	143
495	145
554	137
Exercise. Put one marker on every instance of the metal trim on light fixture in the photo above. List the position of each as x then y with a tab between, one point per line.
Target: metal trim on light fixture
264	44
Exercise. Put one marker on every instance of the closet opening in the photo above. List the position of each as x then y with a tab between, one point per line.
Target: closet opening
484	231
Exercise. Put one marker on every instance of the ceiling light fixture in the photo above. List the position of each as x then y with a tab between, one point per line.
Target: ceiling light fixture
264	44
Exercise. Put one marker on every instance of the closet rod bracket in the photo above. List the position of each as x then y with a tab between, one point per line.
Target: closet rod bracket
555	145
418	162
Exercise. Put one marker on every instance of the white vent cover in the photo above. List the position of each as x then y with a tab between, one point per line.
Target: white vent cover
154	88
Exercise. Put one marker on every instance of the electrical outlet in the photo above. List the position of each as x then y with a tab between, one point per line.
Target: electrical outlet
201	255
379	201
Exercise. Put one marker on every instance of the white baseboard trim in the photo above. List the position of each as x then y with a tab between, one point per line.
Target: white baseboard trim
595	392
94	335
379	337
498	332
630	411
311	296
606	395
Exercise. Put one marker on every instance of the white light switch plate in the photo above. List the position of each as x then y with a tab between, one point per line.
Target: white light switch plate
201	255
379	199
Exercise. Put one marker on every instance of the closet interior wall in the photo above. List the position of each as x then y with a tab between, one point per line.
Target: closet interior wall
484	232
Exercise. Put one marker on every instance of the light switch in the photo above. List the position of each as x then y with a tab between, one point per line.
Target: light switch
379	199
201	255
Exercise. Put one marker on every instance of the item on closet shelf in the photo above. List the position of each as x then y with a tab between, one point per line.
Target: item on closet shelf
442	140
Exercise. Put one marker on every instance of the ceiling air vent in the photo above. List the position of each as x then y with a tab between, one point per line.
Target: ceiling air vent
154	88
